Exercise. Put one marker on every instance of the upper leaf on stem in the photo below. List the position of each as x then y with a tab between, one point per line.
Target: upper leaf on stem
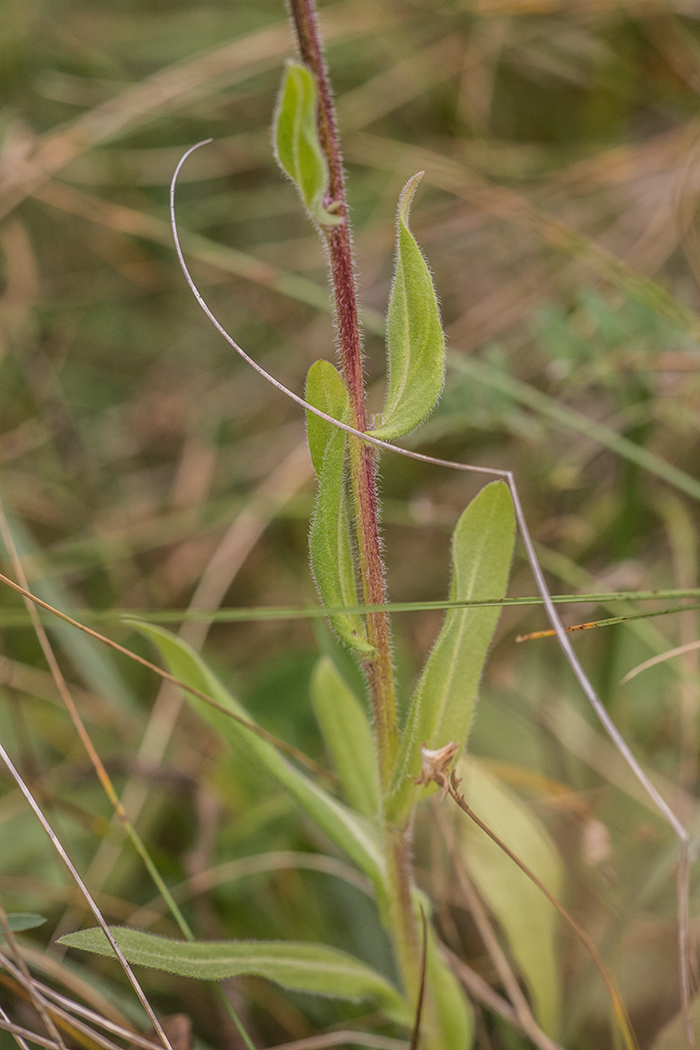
296	142
415	340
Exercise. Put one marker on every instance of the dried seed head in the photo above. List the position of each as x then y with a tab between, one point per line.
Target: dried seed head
435	765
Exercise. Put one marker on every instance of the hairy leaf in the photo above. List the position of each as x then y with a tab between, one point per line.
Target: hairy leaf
348	736
351	832
415	340
293	964
297	146
326	390
528	920
330	545
443	703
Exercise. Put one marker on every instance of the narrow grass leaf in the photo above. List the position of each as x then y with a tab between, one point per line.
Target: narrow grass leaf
348	736
297	965
526	917
330	545
352	833
443	703
415	340
296	142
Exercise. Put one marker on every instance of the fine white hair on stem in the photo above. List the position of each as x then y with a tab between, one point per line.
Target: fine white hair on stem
582	678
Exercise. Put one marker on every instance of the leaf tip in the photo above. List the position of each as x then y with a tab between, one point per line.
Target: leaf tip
406	196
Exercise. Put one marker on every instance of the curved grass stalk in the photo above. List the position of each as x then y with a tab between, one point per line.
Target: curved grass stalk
660	658
582	678
493	472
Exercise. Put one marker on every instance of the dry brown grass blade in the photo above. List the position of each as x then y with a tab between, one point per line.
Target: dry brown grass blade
238	542
264	863
282	745
106	783
522	1014
22	1034
506	204
29	164
660	658
101	1008
58	846
349	1038
26	980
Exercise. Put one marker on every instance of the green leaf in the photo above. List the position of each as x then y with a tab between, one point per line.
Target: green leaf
351	832
325	390
415	340
23	920
296	141
303	967
452	1010
330	545
348	736
526	917
443	703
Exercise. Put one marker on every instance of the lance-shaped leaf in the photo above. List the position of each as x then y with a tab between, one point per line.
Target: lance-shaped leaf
524	914
330	546
415	340
296	141
348	736
351	832
303	967
443	703
18	921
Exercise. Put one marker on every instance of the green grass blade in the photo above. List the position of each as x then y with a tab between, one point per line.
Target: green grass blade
351	832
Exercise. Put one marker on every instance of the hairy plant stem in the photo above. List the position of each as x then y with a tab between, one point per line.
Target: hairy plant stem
362	457
379	669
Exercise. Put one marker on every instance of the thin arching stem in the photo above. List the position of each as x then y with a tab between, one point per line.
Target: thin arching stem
562	637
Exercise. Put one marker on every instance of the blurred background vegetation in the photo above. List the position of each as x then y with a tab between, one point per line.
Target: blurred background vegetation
145	467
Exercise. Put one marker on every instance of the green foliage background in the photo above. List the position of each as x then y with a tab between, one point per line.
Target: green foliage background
131	438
